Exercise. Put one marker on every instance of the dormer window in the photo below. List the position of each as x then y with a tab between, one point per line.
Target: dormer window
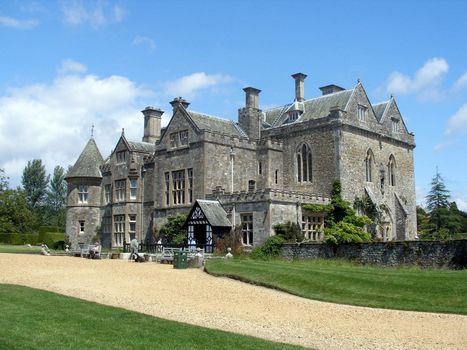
362	113
121	157
395	125
293	116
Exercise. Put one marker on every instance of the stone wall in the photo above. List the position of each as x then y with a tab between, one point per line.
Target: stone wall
450	254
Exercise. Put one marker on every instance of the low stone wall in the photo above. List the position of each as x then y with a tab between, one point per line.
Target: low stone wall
450	254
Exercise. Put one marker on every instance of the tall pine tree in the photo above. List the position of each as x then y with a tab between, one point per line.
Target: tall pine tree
34	183
56	197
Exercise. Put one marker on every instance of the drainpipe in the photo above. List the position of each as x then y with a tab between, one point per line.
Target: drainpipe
232	157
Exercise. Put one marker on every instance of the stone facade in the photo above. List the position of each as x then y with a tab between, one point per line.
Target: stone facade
261	169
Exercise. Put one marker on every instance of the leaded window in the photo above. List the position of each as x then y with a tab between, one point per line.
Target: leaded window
184	137
133	188
369	166
132	224
107	193
190	185
178	189
312	227
167	188
120	188
392	171
247	228
119	232
82	194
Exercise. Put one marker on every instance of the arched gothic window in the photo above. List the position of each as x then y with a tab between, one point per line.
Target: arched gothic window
369	166
304	164
392	171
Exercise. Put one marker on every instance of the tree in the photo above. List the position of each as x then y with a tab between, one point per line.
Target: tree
56	198
171	232
438	202
3	181
34	183
15	216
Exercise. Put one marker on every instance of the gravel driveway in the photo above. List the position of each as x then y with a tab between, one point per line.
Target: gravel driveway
192	296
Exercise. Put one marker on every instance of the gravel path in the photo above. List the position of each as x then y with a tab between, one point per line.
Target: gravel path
193	296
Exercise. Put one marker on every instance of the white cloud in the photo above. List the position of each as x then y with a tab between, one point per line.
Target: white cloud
458	122
18	24
461	82
53	121
461	204
425	82
143	40
70	66
420	194
94	13
189	85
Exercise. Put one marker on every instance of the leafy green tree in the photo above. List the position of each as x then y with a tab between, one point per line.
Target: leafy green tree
34	183
56	198
3	181
15	216
171	232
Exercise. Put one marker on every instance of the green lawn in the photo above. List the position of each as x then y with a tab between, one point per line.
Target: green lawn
22	249
346	283
35	319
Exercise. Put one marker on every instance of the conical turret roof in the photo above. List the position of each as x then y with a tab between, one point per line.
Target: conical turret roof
88	163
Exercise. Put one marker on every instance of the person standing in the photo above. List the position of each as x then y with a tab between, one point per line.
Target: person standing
134	247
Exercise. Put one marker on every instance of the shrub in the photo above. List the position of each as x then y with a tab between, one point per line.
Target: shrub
271	248
231	240
171	232
345	232
290	231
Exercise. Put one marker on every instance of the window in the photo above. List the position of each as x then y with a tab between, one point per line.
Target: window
132	222
362	113
167	188
260	168
391	171
133	188
174	139
178	190
107	194
121	157
184	137
251	185
107	225
119	224
82	194
369	166
395	125
293	116
304	164
247	228
120	187
81	227
312	227
190	185
276	176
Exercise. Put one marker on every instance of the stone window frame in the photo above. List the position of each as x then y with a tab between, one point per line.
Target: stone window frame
304	163
178	187
133	189
395	125
167	188
183	138
189	172
83	193
121	157
312	226
120	190
260	168
392	170
276	176
107	225
246	220
81	224
362	112
132	224
119	229
369	169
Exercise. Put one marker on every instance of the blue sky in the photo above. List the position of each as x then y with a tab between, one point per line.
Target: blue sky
66	65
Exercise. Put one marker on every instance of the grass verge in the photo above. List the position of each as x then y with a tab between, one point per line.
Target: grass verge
428	290
36	319
19	249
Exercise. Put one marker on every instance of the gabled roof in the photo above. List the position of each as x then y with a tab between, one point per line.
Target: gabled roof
88	163
213	212
379	109
145	147
314	108
207	122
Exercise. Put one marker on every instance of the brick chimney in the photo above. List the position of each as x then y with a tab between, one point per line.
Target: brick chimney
250	116
299	86
152	124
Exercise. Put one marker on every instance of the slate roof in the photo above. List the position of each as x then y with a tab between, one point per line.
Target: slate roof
224	126
379	109
145	147
314	108
214	212
88	163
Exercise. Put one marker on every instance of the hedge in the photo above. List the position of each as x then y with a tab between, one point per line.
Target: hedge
52	239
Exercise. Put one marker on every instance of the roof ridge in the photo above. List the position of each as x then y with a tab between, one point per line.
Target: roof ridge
211	116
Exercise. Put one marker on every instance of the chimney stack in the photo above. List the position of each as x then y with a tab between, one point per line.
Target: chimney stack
152	124
252	99
250	116
299	86
178	101
330	89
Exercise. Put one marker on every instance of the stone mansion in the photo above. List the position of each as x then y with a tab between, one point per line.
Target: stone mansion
255	172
